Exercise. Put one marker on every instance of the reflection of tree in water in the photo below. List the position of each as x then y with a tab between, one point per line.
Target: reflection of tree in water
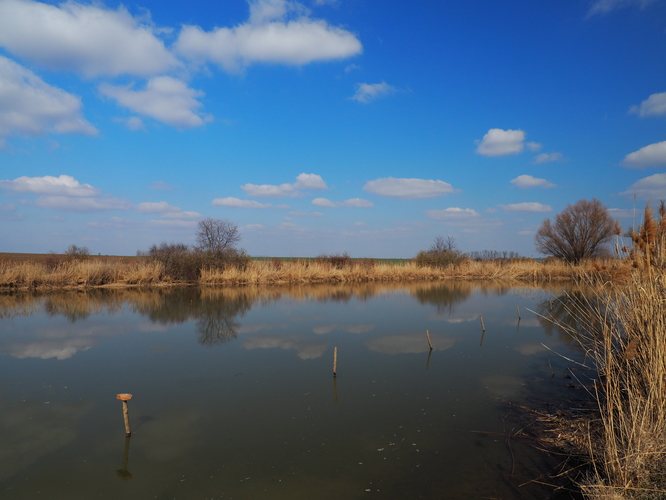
79	305
444	296
214	312
572	317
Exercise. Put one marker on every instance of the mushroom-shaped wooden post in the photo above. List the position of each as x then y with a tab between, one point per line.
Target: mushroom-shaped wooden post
124	398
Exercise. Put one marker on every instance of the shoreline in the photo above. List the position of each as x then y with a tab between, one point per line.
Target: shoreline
129	272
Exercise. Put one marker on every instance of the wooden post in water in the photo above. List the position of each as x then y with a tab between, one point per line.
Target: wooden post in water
335	361
124	398
483	327
428	336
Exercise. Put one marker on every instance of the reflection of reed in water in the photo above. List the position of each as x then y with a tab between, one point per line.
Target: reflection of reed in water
216	309
572	311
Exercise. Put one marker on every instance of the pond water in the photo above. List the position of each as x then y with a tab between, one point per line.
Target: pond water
234	395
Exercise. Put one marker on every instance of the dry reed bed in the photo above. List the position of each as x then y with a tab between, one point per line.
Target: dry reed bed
94	273
624	441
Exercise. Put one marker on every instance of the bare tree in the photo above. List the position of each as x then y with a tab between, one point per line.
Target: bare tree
579	232
218	236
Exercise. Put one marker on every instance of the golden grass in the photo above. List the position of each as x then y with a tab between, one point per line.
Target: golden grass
624	333
95	272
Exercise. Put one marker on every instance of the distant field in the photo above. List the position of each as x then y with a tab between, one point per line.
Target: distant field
42	257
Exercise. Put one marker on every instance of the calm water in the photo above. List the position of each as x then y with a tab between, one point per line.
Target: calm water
234	395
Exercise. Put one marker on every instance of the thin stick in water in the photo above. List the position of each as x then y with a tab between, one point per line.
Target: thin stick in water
428	336
518	309
335	361
483	327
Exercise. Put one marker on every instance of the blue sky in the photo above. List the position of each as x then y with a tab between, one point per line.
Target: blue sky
325	126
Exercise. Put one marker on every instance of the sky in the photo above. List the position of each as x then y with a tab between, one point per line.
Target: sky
325	126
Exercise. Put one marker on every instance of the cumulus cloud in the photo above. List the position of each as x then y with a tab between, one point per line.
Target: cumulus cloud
368	92
527	181
64	185
354	202
165	99
547	157
653	155
527	207
653	186
309	181
303	181
498	142
30	106
452	213
411	189
238	203
277	32
88	39
655	105
74	204
533	146
606	6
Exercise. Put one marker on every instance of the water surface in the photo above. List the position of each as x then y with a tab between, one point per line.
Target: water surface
233	393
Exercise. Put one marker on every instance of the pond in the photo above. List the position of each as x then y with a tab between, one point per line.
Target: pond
234	394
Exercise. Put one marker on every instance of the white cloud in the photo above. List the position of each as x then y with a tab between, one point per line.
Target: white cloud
165	99
167	211
655	105
238	203
527	181
528	207
309	181
323	202
88	39
606	6
651	155
547	157
65	185
72	204
303	181
277	32
158	207
452	213
354	202
181	214
533	146
411	189
30	106
368	92
653	186
498	142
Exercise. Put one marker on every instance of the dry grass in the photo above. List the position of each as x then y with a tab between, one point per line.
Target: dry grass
624	333
97	272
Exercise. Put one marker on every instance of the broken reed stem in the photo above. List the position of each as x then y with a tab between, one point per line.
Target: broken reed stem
428	336
518	309
335	361
483	327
